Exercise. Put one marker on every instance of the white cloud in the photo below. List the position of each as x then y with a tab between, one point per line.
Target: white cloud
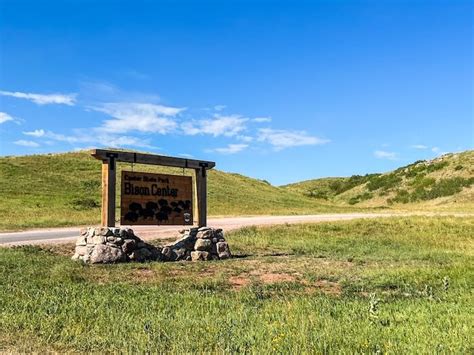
219	125
219	107
246	139
4	117
382	154
35	133
97	139
262	119
26	143
281	139
142	117
435	149
43	99
230	149
419	146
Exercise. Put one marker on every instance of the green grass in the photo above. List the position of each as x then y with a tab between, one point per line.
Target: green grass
423	183
395	285
64	190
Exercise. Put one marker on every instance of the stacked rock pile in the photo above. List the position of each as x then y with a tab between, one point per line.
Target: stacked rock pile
198	244
112	245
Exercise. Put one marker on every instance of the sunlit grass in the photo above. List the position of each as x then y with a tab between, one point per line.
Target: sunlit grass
394	285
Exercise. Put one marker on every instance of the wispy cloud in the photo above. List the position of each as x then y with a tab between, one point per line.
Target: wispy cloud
262	119
419	146
281	139
382	154
219	107
26	143
35	133
5	117
228	126
142	117
230	149
43	99
84	137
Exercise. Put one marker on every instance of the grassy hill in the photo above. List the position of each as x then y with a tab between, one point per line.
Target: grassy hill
64	189
446	182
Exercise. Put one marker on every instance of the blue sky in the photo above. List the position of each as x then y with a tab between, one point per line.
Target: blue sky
277	90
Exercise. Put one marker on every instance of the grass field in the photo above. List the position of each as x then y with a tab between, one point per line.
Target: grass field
64	190
393	285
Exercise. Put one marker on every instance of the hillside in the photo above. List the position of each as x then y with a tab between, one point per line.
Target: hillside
64	189
446	182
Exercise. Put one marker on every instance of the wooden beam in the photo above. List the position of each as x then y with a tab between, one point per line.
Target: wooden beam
201	192
108	193
153	159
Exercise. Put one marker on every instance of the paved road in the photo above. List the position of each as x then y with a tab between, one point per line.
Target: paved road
65	235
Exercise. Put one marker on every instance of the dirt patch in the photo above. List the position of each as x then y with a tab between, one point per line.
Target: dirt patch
238	282
270	278
66	249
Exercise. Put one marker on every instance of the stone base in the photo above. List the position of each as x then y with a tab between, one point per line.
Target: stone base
112	245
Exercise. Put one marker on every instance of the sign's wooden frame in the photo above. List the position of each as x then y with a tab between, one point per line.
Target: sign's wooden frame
109	162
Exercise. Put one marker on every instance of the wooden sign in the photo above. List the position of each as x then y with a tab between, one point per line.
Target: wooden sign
156	199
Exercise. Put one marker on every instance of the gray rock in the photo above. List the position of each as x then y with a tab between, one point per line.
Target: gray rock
90	233
81	250
105	232
187	241
180	253
129	245
105	254
76	256
223	250
219	234
141	244
81	241
156	254
203	245
168	254
206	234
98	239
200	255
140	255
84	231
111	239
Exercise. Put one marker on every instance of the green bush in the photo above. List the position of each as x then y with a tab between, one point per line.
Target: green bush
384	182
362	197
338	187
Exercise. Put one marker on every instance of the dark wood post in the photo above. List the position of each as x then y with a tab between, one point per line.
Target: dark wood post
201	185
108	191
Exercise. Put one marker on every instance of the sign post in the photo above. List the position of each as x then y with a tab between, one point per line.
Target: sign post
110	158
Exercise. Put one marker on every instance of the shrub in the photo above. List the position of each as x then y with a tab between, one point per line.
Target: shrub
402	196
362	197
384	182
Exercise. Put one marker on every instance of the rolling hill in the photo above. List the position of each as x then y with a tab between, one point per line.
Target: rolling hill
64	190
446	182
